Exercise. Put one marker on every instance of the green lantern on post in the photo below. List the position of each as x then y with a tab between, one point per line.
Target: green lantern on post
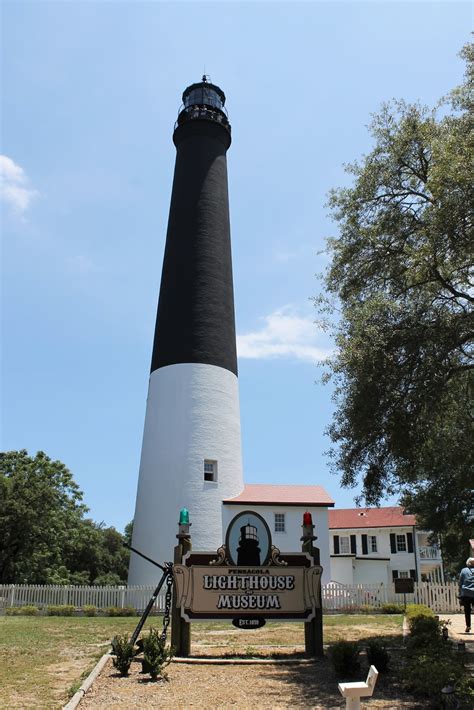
183	524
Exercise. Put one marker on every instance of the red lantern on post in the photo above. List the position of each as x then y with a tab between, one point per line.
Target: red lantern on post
307	519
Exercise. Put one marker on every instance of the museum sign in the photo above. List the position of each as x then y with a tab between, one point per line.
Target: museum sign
233	583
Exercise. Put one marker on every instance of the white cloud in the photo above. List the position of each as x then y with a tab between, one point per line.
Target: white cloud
285	334
14	186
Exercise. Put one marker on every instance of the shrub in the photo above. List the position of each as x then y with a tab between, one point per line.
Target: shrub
425	633
414	610
378	656
345	658
155	655
429	672
123	653
89	610
432	663
368	609
61	610
22	611
390	608
120	611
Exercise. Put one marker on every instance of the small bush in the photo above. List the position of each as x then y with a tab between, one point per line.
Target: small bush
155	655
120	611
429	672
123	653
61	610
345	659
368	609
414	610
425	631
432	663
389	608
378	656
89	610
22	611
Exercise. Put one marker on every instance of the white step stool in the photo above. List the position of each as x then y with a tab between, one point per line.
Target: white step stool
353	692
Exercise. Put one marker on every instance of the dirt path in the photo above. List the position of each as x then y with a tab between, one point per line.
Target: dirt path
242	686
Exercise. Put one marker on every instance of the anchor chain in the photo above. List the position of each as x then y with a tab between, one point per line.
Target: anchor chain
168	601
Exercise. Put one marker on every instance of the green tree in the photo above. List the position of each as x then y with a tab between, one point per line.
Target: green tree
96	555
40	506
401	269
45	537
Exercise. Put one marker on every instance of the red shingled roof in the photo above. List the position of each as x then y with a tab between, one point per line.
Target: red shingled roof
259	493
389	517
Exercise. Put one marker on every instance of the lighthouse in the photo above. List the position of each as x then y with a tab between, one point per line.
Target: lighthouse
191	451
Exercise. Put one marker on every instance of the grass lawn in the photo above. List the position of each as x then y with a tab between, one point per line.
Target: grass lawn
42	658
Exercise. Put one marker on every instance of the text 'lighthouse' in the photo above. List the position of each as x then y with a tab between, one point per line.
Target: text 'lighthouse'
191	452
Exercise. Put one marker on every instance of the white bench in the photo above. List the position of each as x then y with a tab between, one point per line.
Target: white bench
353	692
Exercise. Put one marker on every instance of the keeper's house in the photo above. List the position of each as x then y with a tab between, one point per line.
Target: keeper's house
282	508
377	545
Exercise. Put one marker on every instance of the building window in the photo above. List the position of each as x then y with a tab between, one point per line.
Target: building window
279	522
403	574
344	545
373	543
210	471
401	543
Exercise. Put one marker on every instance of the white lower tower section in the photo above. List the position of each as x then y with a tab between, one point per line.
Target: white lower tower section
192	415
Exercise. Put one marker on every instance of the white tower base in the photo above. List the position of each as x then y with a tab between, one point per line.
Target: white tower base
192	416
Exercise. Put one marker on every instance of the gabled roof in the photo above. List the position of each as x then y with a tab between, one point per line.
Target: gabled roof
389	517
263	494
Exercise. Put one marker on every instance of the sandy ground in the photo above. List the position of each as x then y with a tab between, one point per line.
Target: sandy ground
259	686
248	686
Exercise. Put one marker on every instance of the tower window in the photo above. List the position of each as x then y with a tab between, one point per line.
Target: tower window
210	470
279	522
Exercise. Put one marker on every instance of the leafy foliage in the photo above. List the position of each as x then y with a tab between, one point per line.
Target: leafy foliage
120	611
27	610
431	662
40	506
156	655
345	659
45	537
401	269
123	652
413	611
60	610
378	656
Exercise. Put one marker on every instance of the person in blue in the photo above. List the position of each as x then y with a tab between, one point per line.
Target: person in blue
466	590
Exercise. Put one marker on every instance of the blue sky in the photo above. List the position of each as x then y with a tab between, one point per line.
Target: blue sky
91	91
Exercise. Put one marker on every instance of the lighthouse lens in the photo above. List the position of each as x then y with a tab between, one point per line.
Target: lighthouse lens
203	96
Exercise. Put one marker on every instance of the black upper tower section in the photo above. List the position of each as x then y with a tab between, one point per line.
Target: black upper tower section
195	321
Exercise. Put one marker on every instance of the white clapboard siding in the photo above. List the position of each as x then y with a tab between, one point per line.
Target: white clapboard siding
336	597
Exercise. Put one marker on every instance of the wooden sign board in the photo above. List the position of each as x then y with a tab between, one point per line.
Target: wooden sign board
404	585
233	584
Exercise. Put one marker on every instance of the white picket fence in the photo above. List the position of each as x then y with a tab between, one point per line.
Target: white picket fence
439	597
79	596
336	597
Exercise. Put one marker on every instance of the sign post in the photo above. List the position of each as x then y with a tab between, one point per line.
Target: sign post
247	580
404	585
313	630
180	628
